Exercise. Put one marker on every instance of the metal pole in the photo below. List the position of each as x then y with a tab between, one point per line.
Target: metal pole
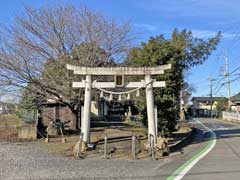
228	81
211	98
105	146
226	74
134	146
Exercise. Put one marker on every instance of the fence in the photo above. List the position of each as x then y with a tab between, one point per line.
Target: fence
231	116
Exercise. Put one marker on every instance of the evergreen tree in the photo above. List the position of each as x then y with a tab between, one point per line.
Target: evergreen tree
182	51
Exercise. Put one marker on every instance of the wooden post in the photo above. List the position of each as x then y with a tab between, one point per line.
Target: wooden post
47	139
63	139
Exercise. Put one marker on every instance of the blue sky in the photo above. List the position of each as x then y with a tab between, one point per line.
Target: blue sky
153	17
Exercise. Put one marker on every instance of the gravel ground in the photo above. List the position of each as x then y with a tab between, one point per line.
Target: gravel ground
28	161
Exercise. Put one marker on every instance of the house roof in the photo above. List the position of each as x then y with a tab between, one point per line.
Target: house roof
206	99
235	98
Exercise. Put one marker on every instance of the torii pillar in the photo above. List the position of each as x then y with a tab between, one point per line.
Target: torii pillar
87	109
150	109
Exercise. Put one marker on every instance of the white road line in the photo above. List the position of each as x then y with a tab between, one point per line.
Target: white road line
185	168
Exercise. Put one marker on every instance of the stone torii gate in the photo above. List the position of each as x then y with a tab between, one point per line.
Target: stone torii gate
119	73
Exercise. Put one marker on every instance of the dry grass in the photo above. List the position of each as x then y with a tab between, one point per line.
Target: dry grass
9	120
55	146
9	125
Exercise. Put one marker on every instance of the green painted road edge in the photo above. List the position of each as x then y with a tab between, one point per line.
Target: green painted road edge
182	167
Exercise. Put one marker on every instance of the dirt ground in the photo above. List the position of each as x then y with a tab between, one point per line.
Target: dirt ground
119	144
119	135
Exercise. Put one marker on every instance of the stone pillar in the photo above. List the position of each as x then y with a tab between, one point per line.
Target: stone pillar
87	110
150	109
105	107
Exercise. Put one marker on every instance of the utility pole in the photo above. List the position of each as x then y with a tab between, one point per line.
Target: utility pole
226	74
228	81
211	95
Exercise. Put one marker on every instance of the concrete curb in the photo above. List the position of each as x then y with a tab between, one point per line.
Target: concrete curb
183	142
230	121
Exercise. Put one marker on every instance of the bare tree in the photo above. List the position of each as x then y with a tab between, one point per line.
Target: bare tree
36	47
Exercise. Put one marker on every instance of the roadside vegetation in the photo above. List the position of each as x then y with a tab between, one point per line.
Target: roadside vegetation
9	125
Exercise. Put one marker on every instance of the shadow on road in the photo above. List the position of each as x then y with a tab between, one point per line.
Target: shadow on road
222	131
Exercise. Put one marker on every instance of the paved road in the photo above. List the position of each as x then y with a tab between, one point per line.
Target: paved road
223	162
28	161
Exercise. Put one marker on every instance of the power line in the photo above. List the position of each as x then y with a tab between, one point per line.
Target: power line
219	88
223	84
235	79
235	70
218	83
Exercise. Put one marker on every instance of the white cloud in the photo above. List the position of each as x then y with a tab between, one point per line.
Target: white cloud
147	27
208	34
